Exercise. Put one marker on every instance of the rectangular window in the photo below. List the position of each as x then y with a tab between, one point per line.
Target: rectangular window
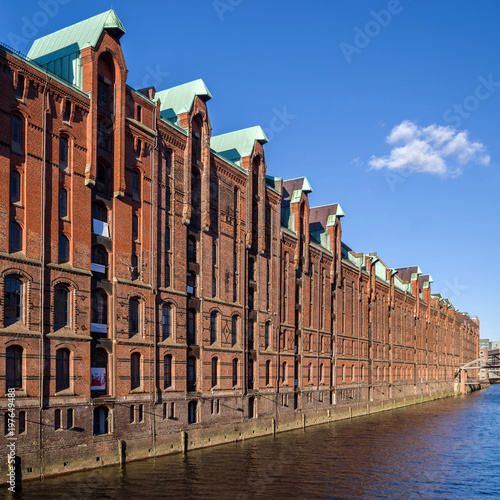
57	419
135	227
172	410
16	139
70	418
136	180
67	111
22	422
141	413
132	414
63	153
15	187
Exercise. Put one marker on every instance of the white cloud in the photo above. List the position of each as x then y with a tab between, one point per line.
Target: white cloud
435	150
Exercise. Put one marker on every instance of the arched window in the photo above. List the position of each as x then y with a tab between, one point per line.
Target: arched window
61	307
63	248
235	372
343	373
17	134
321	372
13	300
101	420
309	372
215	363
352	373
63	203
15	186
283	373
15	237
14	367
191	326
191	374
99	262
191	249
136	185
213	328
234	330
167	371
62	369
268	371
20	87
139	113
166	321
361	372
267	335
99	318
134	315
63	153
135	371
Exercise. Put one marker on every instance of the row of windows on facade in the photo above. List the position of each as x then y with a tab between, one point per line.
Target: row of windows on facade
15	370
14	308
102	416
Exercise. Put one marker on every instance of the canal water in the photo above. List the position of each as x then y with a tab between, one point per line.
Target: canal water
442	449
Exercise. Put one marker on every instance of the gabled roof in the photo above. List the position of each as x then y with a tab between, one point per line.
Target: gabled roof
179	99
292	186
320	218
60	52
406	273
238	144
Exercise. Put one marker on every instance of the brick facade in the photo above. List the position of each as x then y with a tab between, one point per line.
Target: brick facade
209	292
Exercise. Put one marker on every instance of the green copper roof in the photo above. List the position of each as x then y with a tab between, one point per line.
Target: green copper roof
179	100
59	52
238	144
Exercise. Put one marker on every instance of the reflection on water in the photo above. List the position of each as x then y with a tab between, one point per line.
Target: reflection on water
443	449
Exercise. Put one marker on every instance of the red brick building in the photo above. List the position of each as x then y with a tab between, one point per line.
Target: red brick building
159	290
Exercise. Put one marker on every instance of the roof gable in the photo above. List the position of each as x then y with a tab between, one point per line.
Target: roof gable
178	100
60	51
238	144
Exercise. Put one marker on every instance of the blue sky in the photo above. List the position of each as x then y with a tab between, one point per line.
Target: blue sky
389	107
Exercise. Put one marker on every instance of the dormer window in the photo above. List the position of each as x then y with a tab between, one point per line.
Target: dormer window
139	113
